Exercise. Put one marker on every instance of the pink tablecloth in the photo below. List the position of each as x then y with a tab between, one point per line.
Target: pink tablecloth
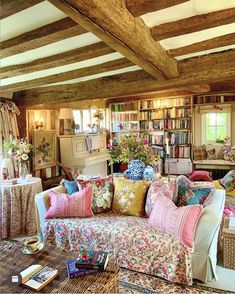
17	208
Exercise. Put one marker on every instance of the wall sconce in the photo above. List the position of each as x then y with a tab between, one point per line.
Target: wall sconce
66	119
39	124
39	121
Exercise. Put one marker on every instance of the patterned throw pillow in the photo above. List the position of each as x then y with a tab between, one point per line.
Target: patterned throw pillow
70	186
129	196
102	193
228	181
75	205
180	222
229	153
190	193
157	188
199	152
211	154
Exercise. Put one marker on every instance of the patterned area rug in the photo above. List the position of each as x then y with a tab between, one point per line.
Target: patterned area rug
133	282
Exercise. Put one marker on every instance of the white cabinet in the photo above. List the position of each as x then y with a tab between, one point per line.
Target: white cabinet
85	152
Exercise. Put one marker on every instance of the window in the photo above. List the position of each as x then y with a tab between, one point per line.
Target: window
86	116
215	125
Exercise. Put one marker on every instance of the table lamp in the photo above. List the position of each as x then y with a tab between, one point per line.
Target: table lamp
65	121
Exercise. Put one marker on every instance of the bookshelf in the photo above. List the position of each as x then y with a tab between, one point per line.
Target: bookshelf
124	119
213	99
169	118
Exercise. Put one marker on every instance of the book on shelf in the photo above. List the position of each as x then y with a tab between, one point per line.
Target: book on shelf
74	271
37	276
93	260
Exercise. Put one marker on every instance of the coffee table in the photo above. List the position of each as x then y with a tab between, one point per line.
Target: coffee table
13	261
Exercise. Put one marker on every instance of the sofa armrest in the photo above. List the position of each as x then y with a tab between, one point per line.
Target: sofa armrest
206	238
42	204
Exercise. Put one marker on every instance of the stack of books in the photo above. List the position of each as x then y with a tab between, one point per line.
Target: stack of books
91	263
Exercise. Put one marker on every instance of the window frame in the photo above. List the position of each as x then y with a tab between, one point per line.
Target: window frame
203	126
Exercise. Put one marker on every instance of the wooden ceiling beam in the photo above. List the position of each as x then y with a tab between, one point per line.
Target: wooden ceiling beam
212	43
140	7
199	70
68	57
53	32
69	75
116	26
10	7
193	24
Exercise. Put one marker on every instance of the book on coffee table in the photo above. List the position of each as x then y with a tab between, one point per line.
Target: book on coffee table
93	260
73	271
37	276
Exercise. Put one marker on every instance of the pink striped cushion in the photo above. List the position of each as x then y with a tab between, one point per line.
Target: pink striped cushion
179	221
76	205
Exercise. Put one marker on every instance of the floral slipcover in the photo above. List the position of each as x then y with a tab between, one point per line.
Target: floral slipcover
137	246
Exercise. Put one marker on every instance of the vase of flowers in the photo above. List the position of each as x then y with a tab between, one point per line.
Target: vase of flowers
135	151
99	116
22	152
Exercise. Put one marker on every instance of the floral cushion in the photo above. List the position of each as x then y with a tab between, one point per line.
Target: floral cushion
102	193
190	193
210	151
157	188
228	181
229	153
129	196
179	221
70	186
139	247
75	205
219	186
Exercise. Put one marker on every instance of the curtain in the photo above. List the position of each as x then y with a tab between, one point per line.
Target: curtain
8	126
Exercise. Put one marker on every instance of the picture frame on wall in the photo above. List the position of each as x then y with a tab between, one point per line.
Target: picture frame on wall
44	143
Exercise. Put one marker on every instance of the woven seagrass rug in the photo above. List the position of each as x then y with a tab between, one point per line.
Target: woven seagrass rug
133	282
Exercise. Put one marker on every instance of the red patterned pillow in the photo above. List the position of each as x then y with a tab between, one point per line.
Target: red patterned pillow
157	188
180	222
102	193
75	205
200	175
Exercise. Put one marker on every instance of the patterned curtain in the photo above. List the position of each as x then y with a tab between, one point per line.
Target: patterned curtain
8	126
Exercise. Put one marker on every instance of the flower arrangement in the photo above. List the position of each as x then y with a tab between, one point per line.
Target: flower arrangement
131	147
223	141
19	149
99	115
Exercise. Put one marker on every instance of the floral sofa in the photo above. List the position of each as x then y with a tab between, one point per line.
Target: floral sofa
139	247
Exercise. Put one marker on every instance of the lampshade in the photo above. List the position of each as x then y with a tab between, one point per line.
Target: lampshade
66	113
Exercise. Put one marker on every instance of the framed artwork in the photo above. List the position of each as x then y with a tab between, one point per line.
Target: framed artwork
45	149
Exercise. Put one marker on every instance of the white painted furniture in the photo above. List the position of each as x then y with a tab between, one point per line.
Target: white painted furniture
87	152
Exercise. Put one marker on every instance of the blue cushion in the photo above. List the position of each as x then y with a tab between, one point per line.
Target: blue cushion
70	186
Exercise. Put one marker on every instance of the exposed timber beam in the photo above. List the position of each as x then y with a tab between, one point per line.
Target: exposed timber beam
68	57
69	75
54	32
10	7
204	69
140	7
116	26
193	24
216	42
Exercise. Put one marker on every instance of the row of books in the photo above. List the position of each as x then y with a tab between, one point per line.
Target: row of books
178	138
124	116
149	125
162	103
179	151
178	112
177	123
125	106
213	99
152	114
125	126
